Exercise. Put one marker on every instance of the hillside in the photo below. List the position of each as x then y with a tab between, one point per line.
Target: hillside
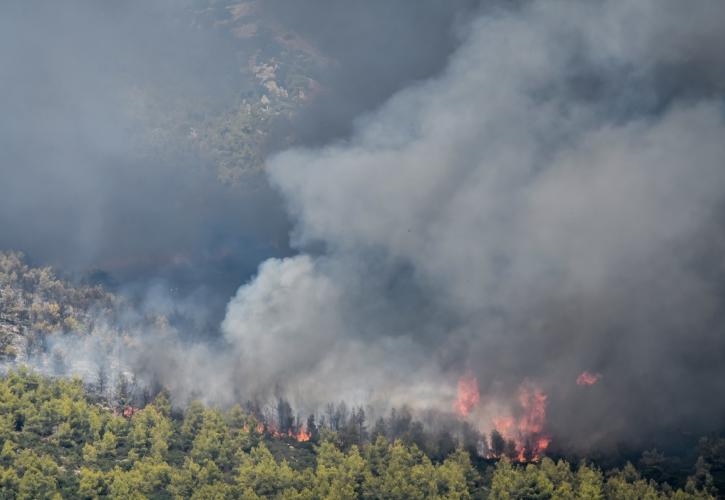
324	249
35	305
109	437
269	74
56	441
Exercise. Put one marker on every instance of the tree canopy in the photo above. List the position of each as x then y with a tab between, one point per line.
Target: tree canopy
59	441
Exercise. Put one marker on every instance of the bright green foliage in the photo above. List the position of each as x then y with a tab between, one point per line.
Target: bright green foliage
8	483
405	473
515	482
92	483
558	481
37	476
456	477
338	475
150	433
192	477
262	474
212	441
162	404
55	442
106	447
242	429
215	491
193	419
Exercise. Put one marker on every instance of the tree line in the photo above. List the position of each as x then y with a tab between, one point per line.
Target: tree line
58	441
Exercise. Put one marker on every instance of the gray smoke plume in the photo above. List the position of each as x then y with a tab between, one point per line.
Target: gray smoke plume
551	203
98	174
105	168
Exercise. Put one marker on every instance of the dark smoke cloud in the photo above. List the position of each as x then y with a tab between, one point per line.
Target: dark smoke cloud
91	92
552	203
83	186
374	48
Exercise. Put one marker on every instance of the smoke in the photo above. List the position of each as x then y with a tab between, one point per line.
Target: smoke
551	203
117	120
374	48
99	177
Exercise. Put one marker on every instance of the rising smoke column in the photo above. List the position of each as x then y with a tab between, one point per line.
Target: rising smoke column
551	201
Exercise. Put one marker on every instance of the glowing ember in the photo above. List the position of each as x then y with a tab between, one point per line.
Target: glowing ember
588	378
467	395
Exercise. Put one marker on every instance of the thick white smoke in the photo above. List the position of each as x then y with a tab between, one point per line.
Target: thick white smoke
288	326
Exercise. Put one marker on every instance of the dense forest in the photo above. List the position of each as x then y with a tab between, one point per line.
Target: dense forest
316	249
110	435
58	440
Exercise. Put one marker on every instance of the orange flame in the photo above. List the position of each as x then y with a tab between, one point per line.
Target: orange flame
543	443
533	402
272	430
468	395
130	411
259	428
588	378
303	435
526	431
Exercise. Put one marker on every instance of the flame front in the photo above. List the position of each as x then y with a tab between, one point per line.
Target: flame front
588	378
259	428
303	435
468	395
524	432
527	431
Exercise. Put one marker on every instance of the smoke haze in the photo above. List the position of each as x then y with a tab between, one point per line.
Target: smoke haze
551	203
536	192
109	113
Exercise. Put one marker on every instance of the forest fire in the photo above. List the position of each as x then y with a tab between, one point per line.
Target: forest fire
525	433
303	435
587	378
468	395
127	411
